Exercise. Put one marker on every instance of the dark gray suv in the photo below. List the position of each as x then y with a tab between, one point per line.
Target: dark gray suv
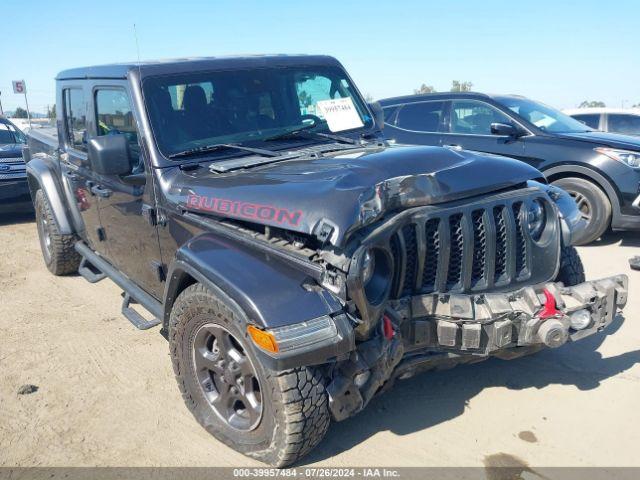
600	170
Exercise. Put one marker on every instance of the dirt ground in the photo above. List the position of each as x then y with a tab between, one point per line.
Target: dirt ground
107	397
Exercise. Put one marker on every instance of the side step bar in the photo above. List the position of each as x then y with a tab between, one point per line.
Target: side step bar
90	273
132	293
134	317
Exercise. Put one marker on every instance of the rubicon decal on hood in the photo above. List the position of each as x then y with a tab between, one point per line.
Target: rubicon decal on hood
248	210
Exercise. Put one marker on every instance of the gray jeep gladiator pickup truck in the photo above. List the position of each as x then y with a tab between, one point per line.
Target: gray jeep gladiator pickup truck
296	263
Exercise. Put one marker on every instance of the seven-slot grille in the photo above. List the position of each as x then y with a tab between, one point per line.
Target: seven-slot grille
475	249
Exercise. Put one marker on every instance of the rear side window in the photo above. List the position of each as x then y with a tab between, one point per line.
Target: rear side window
75	118
627	124
421	117
589	119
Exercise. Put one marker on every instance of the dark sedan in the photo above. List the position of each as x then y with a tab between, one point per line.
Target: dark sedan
14	190
600	170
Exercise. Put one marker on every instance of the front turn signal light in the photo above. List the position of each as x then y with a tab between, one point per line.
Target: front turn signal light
265	340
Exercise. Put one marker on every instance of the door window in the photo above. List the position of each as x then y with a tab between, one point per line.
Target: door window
475	118
75	118
421	117
628	124
115	117
589	119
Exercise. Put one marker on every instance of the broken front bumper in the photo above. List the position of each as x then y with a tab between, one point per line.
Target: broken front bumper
439	331
485	324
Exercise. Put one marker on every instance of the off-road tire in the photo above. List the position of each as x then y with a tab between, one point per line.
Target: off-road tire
571	269
295	413
598	204
60	256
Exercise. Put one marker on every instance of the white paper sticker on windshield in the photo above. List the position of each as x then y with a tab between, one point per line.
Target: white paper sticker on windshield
340	114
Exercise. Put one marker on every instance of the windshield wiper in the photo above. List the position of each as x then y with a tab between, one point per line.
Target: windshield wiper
304	131
221	146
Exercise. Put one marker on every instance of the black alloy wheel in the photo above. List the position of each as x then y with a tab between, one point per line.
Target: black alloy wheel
227	378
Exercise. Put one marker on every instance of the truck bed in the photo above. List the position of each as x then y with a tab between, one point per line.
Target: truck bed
43	140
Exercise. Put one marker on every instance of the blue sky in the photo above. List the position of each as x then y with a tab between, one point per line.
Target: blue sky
560	52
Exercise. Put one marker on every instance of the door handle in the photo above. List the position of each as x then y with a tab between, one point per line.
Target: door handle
100	192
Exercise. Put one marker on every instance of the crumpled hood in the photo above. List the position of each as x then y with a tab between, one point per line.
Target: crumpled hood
604	139
344	190
10	150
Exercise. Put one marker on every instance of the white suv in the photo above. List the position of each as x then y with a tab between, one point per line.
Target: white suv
613	120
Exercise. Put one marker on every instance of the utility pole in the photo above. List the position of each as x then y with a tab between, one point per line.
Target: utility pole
27	104
1	111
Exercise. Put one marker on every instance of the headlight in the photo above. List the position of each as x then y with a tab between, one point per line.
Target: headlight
536	219
632	159
376	275
368	266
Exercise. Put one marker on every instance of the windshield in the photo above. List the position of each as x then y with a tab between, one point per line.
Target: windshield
195	110
542	116
10	134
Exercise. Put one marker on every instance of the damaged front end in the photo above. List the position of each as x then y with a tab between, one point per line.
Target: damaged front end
435	286
442	330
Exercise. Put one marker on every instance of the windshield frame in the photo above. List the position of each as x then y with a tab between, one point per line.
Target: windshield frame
504	101
163	156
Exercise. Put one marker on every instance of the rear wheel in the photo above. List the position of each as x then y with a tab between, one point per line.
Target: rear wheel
274	416
594	205
58	250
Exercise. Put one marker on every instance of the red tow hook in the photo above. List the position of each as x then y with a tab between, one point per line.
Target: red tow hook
550	308
387	327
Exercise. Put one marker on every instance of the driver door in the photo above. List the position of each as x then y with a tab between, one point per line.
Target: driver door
131	239
470	129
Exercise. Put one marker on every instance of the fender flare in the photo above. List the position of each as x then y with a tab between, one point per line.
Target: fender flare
42	174
599	179
261	288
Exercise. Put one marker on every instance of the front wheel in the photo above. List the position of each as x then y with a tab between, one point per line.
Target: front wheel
571	269
594	205
274	416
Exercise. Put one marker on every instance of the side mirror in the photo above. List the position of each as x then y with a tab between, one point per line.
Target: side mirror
109	155
504	129
378	114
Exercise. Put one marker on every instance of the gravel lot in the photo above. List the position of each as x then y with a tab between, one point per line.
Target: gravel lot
106	393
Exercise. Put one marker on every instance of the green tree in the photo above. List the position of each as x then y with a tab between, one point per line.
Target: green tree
590	104
458	86
51	112
20	113
424	88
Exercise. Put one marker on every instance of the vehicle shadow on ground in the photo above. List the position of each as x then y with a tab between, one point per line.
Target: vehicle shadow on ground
624	239
14	218
435	397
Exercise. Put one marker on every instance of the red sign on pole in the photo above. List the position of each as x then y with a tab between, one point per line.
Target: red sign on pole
19	86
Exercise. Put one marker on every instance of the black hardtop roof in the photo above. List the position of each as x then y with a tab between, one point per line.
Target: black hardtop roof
183	65
441	96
